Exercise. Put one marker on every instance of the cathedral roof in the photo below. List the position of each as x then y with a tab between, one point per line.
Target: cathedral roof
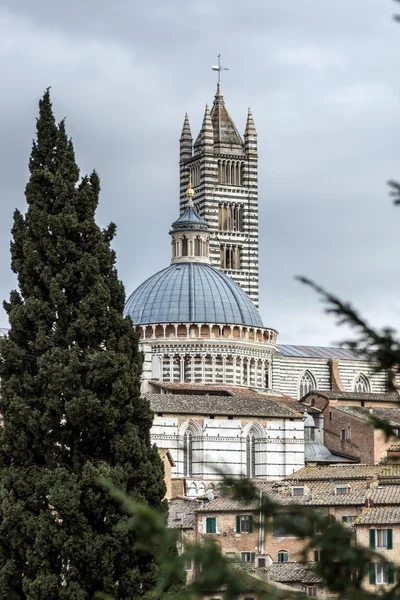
193	293
221	405
319	352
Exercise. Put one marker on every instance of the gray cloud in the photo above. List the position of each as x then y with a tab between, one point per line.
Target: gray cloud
323	84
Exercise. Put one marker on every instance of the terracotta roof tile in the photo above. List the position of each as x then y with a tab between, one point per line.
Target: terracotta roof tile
343	471
181	512
392	415
381	515
355	396
293	572
317	494
229	390
259	406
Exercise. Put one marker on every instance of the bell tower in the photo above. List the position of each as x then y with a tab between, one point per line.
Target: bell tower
224	170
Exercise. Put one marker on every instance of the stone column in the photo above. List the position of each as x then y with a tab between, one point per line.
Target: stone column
182	368
241	374
263	373
256	372
203	368
234	363
213	363
192	368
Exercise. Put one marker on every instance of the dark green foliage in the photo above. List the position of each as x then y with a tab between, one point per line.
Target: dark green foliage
70	397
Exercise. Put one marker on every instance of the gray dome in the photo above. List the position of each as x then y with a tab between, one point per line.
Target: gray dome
192	293
317	452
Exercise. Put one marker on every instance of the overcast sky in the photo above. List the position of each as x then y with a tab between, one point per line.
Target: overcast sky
322	79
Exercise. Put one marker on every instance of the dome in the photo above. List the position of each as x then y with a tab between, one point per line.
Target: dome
193	293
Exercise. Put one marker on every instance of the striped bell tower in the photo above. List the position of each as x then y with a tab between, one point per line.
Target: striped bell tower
224	171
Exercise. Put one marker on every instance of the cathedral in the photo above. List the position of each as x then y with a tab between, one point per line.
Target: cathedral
225	393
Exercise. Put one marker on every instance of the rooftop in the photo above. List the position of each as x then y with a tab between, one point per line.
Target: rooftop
293	572
191	292
181	512
355	396
391	415
380	515
211	389
319	352
320	493
345	472
259	406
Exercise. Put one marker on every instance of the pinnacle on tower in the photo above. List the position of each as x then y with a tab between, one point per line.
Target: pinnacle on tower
207	131
186	140
250	135
250	127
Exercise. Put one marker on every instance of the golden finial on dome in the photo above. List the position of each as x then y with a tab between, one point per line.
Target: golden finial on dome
190	191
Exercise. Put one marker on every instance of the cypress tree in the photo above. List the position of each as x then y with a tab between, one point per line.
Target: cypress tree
70	396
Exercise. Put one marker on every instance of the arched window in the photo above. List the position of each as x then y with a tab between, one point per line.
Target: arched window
188	453
251	455
283	556
307	384
361	384
184	246
197	251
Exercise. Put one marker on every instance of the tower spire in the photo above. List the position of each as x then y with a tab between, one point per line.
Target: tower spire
250	127
186	140
207	130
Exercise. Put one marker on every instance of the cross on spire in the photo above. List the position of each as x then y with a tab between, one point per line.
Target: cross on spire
219	68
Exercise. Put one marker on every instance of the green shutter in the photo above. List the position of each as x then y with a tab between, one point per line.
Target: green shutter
238	524
372	538
390	539
372	573
211	525
250	524
344	519
253	557
390	571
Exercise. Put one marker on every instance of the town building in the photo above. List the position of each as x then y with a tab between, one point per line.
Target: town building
348	423
364	498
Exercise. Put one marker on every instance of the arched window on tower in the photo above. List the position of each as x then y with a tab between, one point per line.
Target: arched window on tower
307	384
361	384
251	455
188	453
184	246
197	247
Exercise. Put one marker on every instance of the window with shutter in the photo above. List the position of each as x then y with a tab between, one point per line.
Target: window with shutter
381	538
391	573
372	538
244	524
372	573
211	525
390	539
283	556
381	573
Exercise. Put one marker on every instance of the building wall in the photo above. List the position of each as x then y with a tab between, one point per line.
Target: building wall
220	443
359	436
391	556
287	372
